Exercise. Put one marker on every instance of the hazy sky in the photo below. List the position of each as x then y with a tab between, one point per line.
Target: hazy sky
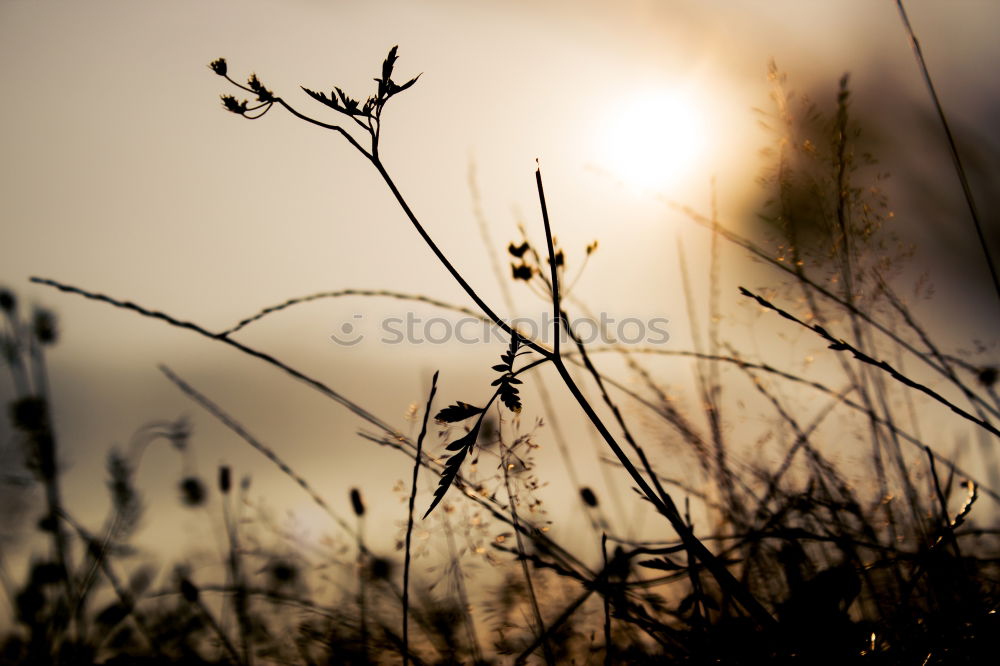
122	174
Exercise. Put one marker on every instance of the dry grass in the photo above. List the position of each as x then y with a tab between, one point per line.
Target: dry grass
801	555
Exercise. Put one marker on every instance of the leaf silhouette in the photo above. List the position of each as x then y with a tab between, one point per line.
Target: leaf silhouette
661	563
462	445
458	412
507	391
322	98
390	60
399	89
508	358
458	444
345	99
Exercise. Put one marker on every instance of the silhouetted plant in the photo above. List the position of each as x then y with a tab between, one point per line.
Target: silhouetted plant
806	565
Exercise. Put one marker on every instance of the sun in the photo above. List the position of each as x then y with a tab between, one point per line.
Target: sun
654	140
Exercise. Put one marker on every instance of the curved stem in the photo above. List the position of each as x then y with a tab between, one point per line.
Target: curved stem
662	502
335	128
409	524
557	313
462	282
668	509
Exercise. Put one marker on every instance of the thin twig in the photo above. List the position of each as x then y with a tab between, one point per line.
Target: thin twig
608	656
952	146
842	345
267	358
512	502
268	453
659	498
539	382
349	292
839	396
409	524
809	283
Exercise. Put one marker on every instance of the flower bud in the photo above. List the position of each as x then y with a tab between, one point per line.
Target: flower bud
219	66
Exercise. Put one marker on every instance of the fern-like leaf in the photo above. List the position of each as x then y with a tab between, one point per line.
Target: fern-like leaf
396	89
509	393
462	446
458	412
661	563
390	60
322	98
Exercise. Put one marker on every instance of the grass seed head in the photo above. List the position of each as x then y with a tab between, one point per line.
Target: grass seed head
193	491
356	503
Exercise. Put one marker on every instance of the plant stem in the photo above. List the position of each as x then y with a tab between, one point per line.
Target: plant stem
480	303
660	498
409	525
511	499
240	600
608	656
557	313
842	345
952	147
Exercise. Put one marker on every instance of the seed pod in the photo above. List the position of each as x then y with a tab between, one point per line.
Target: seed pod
356	503
192	491
521	272
588	496
29	414
282	572
379	568
44	326
8	302
224	479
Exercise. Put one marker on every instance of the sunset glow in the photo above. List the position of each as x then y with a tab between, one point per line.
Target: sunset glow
654	139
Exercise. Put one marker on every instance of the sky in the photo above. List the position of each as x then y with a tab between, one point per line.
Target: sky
122	174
